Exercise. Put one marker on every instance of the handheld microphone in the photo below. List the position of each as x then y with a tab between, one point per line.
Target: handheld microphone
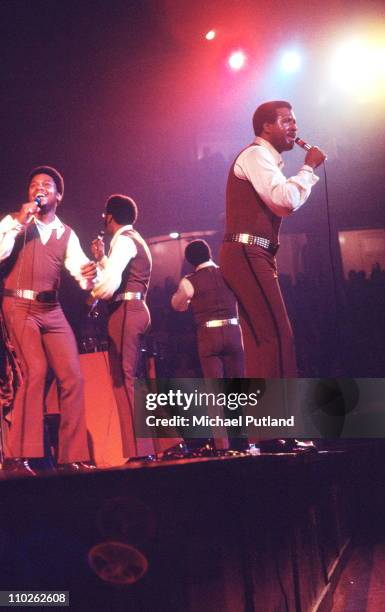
38	200
303	144
93	311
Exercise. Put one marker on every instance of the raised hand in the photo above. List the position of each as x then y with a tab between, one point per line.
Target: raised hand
97	248
88	270
315	157
26	212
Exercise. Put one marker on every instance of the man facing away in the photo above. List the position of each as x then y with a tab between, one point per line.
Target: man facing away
124	280
215	314
219	335
258	196
34	247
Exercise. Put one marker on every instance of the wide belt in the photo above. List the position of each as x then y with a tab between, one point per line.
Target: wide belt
129	295
251	240
48	297
221	322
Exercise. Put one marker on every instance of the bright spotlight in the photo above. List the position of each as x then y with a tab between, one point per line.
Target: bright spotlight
358	68
174	235
237	60
210	35
291	61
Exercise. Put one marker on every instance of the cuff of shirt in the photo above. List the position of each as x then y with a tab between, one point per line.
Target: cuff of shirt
10	224
310	173
102	262
87	283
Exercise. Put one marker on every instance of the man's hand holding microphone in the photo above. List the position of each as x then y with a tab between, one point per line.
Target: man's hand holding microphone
26	212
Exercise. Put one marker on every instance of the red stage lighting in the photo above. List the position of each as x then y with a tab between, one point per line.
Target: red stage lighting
210	35
237	60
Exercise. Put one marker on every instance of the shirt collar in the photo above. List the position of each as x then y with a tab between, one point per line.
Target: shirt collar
264	143
206	264
124	228
47	228
55	224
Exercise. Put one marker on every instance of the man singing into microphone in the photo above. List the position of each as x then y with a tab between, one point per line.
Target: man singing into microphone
34	247
258	196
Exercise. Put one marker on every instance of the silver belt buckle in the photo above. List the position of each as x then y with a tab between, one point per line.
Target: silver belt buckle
221	322
243	238
27	294
129	295
214	323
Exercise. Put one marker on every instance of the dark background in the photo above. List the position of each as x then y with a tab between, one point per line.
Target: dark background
128	97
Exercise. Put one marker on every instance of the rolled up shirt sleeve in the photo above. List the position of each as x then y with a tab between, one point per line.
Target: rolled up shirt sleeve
9	229
111	268
74	259
181	299
282	195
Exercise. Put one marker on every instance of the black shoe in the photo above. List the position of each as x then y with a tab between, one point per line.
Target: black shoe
75	468
287	445
178	451
142	459
203	448
239	444
230	452
207	449
18	466
304	446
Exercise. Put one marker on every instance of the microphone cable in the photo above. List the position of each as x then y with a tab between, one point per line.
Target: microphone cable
304	145
335	325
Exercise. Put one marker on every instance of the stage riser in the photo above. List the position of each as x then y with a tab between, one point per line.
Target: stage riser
103	428
240	535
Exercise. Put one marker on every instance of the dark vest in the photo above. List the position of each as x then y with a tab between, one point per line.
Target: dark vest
212	298
246	213
136	275
34	265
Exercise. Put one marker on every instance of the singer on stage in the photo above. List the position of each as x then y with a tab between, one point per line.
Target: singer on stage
124	280
34	247
258	196
215	313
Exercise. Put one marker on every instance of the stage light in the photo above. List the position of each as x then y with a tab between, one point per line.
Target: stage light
237	60
174	235
358	68
291	61
210	35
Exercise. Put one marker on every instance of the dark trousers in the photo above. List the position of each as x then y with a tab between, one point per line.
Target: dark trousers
127	323
221	351
42	336
251	273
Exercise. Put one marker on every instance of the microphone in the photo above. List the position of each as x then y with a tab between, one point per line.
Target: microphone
38	200
303	144
93	311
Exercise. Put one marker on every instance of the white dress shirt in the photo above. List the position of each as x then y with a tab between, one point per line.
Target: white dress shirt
182	297
122	250
10	228
261	165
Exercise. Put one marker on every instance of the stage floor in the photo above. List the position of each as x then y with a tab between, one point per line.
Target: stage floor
247	534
